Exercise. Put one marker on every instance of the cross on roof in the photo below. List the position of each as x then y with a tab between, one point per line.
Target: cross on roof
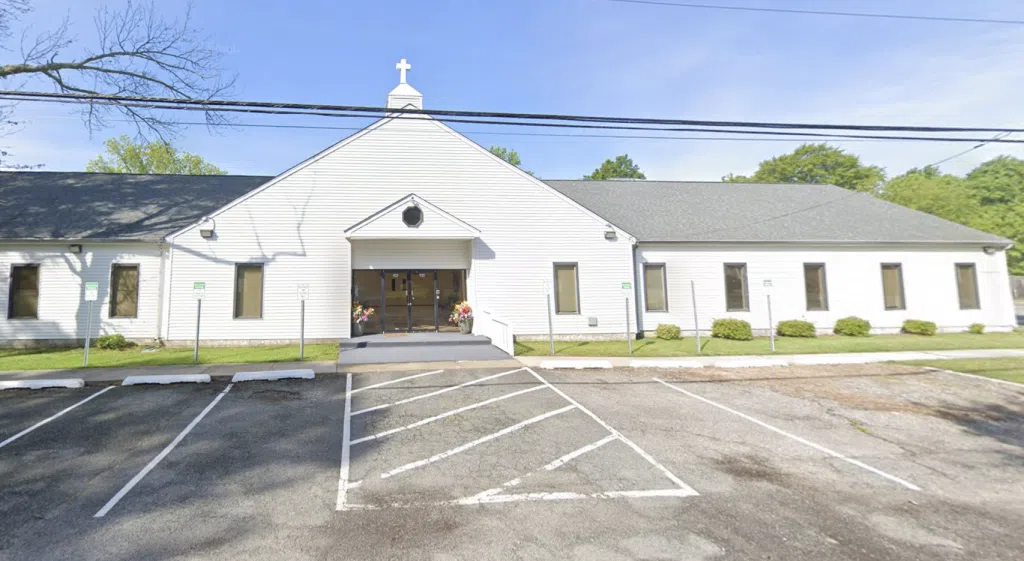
403	66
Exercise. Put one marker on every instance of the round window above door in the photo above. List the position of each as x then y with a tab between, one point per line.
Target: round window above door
412	216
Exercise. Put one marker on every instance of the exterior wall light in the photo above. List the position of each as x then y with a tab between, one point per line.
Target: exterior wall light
609	234
75	248
206	229
989	250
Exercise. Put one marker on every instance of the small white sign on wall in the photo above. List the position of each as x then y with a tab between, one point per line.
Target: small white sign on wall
92	291
767	283
302	292
199	290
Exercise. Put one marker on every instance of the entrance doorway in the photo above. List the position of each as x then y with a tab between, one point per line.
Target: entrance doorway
408	301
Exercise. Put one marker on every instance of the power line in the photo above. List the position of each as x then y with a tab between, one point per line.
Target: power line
995	138
820	12
224	105
256	108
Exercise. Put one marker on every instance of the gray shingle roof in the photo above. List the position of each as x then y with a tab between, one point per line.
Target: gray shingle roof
72	205
671	211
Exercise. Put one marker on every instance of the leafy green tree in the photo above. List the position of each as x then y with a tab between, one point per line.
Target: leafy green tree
128	156
509	155
998	181
622	167
927	190
816	163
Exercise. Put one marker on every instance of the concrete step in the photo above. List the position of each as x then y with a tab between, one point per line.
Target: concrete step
413	340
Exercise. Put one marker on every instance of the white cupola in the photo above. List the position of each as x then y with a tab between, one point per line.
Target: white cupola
404	95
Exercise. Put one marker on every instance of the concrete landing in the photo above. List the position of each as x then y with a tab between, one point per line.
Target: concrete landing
417	347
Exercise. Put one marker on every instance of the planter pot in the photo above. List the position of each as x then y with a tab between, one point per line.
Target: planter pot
357	329
466	326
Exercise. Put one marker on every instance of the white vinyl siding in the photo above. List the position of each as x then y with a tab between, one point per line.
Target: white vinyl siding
62	310
854	284
296	226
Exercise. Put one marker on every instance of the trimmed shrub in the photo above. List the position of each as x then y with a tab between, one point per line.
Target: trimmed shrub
735	329
668	331
852	326
115	342
976	328
919	327
796	328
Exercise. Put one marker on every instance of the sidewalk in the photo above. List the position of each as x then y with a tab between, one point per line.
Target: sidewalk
759	360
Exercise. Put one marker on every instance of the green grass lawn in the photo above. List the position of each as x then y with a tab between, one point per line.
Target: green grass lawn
783	345
46	359
1009	369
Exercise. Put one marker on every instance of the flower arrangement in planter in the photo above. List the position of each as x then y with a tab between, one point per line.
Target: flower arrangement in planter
462	315
360	315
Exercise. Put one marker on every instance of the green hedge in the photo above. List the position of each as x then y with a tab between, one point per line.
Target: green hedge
852	326
796	328
919	327
115	342
976	328
735	329
668	331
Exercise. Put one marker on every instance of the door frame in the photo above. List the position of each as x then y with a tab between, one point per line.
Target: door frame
408	297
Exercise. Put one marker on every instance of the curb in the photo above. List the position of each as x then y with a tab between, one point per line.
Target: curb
70	383
751	363
576	364
167	379
664	363
273	375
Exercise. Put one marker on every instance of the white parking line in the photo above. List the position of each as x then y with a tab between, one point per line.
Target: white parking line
445	414
432	394
48	419
552	465
477	442
346	436
650	459
389	382
563	496
153	463
804	441
975	376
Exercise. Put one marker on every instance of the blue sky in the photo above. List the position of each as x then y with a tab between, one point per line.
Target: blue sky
583	57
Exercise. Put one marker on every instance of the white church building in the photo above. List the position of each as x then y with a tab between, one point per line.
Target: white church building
409	217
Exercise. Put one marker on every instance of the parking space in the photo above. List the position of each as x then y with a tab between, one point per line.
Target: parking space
843	462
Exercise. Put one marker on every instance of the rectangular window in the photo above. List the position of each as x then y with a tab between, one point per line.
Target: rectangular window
967	286
124	291
249	290
892	286
655	296
567	295
736	287
23	298
814	286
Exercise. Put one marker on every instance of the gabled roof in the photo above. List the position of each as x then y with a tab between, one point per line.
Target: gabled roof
109	206
678	211
387	223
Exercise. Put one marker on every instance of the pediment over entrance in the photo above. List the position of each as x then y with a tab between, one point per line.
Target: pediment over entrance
411	217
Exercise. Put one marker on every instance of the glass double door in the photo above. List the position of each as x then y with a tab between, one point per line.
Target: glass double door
409	300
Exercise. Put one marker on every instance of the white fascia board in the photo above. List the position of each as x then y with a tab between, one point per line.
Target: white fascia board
471	231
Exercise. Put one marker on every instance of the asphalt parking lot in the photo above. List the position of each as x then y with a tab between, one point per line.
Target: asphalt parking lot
841	462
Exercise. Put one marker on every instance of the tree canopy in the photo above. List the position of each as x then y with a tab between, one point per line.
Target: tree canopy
123	155
509	155
816	163
622	167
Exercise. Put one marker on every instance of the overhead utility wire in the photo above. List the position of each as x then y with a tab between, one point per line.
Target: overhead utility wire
836	136
820	12
210	104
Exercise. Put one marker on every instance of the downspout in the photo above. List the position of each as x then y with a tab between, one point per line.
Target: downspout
167	292
636	287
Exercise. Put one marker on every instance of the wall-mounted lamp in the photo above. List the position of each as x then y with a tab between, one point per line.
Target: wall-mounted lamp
207	227
75	248
609	233
989	250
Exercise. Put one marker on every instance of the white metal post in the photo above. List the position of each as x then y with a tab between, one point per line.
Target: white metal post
696	326
88	331
551	328
195	347
629	340
302	330
771	326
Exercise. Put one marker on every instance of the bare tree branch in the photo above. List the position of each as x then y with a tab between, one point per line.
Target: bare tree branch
135	53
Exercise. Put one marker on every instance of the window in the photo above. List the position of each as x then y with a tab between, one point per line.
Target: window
736	287
567	295
967	286
249	290
124	291
892	286
814	286
23	298
655	296
412	216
